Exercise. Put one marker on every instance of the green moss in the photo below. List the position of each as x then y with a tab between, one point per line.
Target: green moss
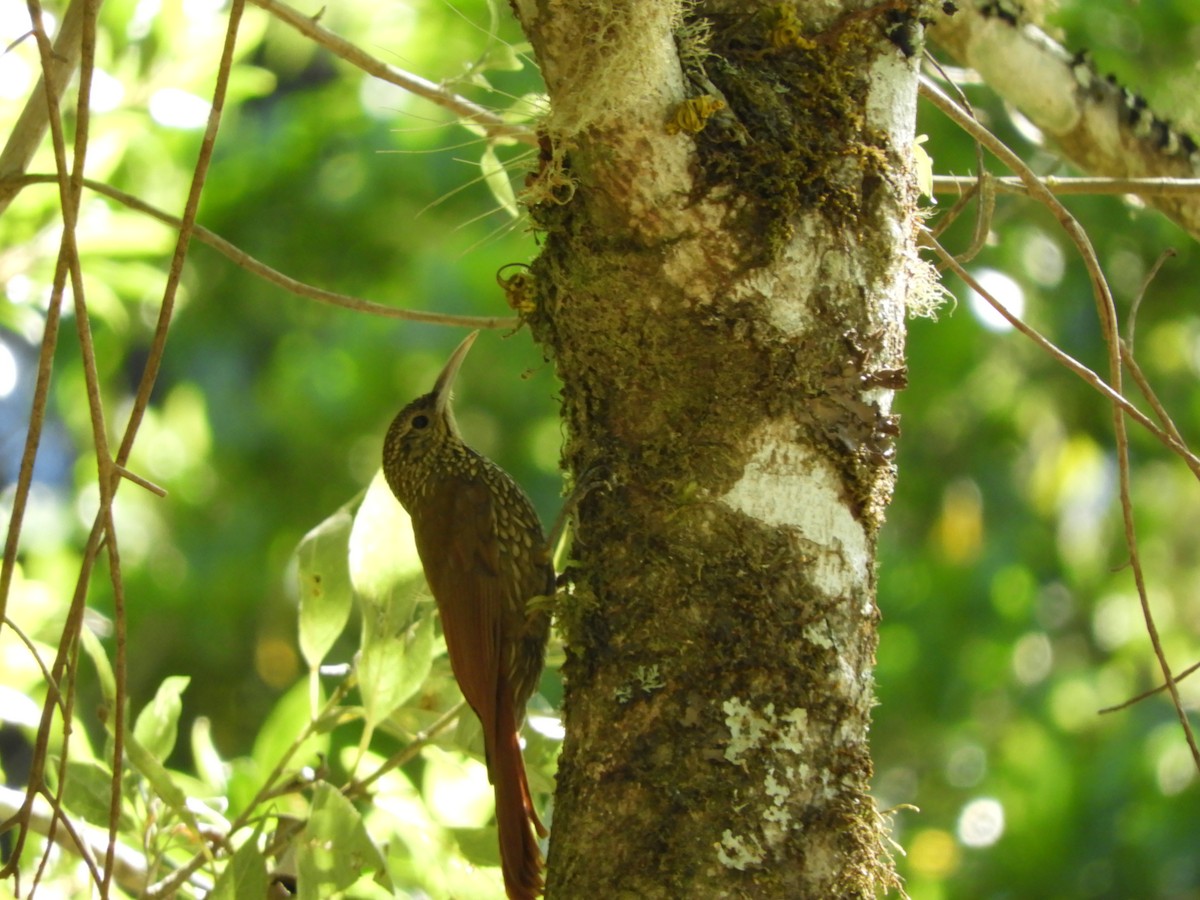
794	136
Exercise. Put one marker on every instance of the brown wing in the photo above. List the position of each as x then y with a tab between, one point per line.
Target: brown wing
471	574
460	552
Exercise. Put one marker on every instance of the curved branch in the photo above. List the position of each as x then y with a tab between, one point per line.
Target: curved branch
1106	311
492	124
262	270
1146	187
26	136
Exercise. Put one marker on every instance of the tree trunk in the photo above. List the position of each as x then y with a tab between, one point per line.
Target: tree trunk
723	286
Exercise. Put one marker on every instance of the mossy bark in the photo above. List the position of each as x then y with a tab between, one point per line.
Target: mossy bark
722	287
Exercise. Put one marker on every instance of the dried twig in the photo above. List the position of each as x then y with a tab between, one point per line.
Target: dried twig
1121	407
1150	693
243	259
30	128
359	788
956	184
60	676
1064	358
493	125
68	262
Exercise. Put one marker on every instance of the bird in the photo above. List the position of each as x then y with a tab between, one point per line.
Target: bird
486	559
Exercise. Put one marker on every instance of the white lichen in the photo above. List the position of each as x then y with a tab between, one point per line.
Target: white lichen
795	735
777	818
737	852
745	728
819	634
646	680
750	730
766	733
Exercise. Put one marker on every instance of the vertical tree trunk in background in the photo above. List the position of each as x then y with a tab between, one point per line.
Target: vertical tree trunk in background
725	307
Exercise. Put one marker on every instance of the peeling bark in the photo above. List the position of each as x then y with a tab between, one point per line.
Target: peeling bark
725	307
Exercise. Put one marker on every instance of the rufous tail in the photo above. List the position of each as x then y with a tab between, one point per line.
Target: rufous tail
516	819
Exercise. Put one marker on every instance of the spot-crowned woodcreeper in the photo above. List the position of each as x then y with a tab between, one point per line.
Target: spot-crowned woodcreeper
485	557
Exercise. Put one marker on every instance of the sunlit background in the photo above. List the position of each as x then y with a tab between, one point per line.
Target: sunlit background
1009	615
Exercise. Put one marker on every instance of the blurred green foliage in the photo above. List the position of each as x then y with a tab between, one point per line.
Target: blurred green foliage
1009	611
1009	617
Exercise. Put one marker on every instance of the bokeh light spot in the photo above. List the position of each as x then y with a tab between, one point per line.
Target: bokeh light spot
981	822
1117	620
933	853
107	92
8	371
960	526
967	766
1032	658
1005	291
1043	259
178	109
276	661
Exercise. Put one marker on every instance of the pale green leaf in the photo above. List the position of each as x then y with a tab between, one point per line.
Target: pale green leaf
456	788
334	850
383	553
159	777
525	108
104	673
478	846
87	791
496	178
163	785
283	726
502	57
245	875
393	665
325	592
474	127
157	724
211	768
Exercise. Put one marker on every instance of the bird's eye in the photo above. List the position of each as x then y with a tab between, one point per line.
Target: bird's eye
420	421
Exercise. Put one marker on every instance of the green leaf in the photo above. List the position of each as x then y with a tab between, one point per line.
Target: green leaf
157	724
88	789
334	850
325	591
478	846
384	566
392	665
456	788
245	876
154	772
525	108
209	765
104	673
163	784
496	178
502	57
283	726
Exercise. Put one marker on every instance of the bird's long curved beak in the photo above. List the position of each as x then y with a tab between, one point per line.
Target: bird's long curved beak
445	381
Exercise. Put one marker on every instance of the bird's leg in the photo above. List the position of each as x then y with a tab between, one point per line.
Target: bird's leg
562	533
558	540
